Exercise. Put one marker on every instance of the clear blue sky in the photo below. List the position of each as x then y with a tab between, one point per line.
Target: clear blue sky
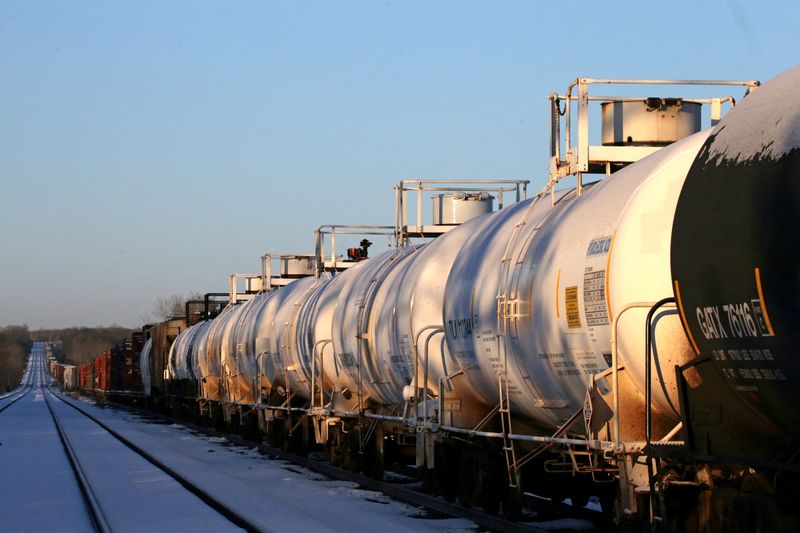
152	148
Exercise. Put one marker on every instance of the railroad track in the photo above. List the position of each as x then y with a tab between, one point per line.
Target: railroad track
94	500
392	489
17	395
37	381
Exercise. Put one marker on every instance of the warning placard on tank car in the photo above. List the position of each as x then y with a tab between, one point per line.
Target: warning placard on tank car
594	297
573	313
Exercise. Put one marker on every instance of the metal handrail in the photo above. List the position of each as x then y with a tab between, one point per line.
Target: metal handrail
517	186
266	267
615	360
579	154
341	229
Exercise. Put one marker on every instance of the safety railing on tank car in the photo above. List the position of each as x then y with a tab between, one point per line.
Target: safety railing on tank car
268	279
233	289
337	262
403	231
584	158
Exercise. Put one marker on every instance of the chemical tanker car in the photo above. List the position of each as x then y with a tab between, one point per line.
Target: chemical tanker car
631	338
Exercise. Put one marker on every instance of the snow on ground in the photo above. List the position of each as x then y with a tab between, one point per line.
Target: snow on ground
277	494
38	491
134	495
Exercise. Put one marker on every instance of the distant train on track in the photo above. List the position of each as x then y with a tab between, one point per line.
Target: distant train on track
632	338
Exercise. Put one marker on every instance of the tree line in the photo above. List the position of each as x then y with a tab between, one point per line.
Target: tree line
78	344
81	344
15	343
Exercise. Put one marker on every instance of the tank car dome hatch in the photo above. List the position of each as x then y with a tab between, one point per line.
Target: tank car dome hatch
297	266
253	285
735	261
649	122
457	208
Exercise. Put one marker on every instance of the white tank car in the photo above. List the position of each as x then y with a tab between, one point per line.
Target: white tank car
227	353
306	341
180	354
536	292
408	309
267	347
144	367
243	350
198	346
360	367
208	358
290	363
317	318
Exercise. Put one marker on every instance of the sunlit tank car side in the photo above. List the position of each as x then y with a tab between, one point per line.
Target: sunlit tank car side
350	330
289	368
244	352
321	316
180	367
296	335
559	273
198	343
144	366
267	345
227	356
408	330
210	368
182	378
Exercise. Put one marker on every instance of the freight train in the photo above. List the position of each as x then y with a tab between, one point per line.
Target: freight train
629	338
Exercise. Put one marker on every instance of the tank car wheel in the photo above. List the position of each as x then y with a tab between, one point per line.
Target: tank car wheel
374	454
579	493
467	479
512	503
333	452
611	507
448	459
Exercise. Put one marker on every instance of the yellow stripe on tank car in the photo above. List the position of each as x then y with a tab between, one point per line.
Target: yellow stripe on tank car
608	276
761	300
683	318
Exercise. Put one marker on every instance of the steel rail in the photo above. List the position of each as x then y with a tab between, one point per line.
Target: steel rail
413	497
95	511
228	512
23	392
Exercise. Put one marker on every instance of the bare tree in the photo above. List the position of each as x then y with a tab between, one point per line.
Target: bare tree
169	306
174	305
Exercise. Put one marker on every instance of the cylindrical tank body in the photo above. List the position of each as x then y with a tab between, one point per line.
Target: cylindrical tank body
318	317
208	358
227	352
266	330
736	272
180	354
290	364
350	329
243	349
535	294
407	309
312	336
144	366
199	348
